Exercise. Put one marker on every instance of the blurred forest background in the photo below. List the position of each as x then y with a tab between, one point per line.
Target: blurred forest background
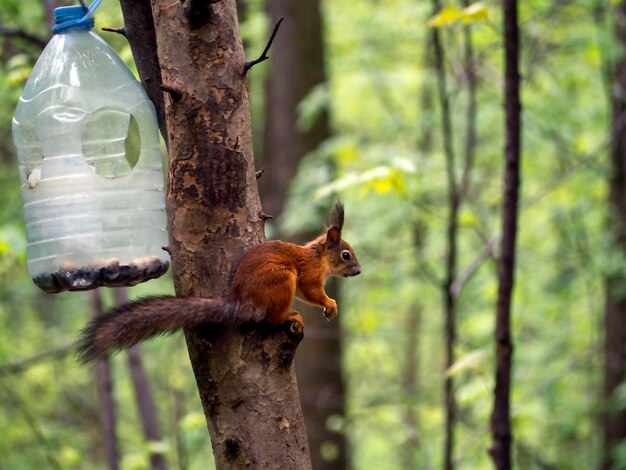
350	106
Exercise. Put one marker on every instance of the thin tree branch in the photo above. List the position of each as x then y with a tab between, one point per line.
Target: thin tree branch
18	404
175	93
248	65
468	272
25	364
121	30
9	31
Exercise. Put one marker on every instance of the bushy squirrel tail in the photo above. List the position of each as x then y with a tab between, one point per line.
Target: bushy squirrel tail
142	319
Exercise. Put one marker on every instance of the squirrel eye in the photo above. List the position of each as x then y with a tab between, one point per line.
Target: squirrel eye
345	255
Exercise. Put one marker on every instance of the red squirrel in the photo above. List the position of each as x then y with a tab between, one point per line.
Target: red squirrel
263	287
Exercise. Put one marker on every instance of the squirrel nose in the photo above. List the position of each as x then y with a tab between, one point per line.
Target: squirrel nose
357	271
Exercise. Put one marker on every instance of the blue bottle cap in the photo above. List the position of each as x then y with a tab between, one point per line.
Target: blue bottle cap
71	18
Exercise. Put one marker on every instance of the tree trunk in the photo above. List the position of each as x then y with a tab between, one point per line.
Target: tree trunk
501	416
412	445
141	35
321	386
296	67
104	384
449	300
143	395
245	376
614	424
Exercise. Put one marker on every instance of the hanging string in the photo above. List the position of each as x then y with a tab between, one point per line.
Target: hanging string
70	20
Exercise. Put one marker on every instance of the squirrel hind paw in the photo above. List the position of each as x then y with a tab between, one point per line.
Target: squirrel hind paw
295	323
296	327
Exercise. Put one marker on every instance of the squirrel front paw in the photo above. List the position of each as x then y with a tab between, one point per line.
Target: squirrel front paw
331	311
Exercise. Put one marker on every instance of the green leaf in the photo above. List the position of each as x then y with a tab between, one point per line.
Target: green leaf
158	447
447	16
380	179
453	15
474	360
475	12
312	107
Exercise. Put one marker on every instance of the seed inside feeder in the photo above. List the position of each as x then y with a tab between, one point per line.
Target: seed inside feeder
108	273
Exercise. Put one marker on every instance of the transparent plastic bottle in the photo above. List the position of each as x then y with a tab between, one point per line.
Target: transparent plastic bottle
94	216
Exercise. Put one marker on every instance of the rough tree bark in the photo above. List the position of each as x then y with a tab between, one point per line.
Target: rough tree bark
614	423
296	67
501	417
245	376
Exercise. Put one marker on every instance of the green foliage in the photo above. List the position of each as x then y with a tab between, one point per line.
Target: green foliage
385	162
390	173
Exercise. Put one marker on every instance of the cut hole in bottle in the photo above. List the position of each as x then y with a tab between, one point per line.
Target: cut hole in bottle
132	144
111	142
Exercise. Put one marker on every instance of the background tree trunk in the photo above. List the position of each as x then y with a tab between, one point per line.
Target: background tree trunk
449	300
141	35
143	395
614	423
295	69
104	385
501	417
245	376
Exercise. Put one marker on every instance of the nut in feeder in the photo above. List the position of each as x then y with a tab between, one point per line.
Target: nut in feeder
94	217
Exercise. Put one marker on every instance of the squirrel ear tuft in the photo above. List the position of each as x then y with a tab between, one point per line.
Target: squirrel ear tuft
336	217
333	237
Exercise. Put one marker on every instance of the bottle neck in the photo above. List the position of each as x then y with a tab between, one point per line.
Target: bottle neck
72	18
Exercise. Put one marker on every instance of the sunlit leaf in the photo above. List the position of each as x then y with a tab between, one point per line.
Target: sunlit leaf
467	217
69	457
18	61
158	447
475	12
452	15
380	179
347	152
192	420
17	76
447	16
382	185
475	360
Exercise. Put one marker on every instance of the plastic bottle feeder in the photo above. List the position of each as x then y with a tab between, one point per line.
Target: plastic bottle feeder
94	208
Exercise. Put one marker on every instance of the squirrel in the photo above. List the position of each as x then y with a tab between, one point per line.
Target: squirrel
262	288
